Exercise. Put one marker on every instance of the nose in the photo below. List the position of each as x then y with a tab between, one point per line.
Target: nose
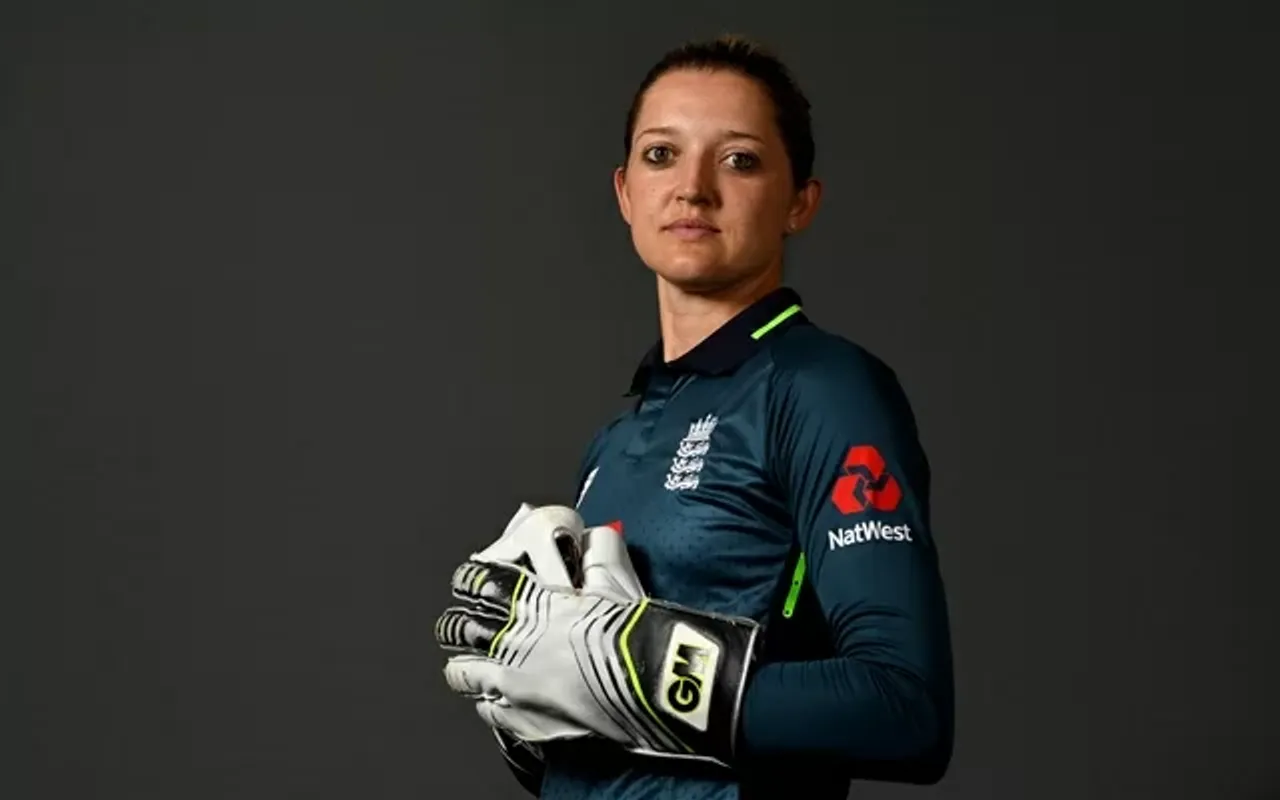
697	182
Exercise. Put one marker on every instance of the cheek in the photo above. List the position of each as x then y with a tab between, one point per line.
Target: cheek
647	213
650	200
762	215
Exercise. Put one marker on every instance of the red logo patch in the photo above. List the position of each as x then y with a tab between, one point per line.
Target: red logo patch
865	483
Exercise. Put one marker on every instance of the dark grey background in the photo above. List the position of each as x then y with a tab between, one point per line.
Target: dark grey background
302	299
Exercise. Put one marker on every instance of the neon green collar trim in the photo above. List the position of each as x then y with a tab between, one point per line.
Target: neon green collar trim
775	322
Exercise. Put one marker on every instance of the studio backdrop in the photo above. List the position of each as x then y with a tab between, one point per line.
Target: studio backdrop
301	300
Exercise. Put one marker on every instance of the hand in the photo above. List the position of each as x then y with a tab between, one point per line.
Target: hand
550	663
545	540
604	569
548	542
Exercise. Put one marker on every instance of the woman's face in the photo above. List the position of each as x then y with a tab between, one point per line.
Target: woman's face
707	189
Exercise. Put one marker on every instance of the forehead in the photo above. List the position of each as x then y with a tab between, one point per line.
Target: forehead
697	99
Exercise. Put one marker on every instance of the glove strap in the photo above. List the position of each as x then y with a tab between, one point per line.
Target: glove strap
689	670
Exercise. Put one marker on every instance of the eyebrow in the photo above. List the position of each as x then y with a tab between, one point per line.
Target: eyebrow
667	131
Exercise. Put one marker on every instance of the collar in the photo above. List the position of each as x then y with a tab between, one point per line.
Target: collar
729	345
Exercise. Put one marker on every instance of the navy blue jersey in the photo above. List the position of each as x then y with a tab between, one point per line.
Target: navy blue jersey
775	472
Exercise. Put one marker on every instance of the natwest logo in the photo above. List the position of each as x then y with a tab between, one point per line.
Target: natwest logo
873	531
865	483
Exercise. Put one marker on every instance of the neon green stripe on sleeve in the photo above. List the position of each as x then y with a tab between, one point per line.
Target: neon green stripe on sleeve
797	582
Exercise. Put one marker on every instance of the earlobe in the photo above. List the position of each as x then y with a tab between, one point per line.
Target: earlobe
806	205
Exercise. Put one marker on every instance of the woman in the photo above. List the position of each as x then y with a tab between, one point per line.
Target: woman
769	484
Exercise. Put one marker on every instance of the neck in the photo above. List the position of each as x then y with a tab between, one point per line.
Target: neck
687	318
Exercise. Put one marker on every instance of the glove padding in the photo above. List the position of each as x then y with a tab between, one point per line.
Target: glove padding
549	663
547	541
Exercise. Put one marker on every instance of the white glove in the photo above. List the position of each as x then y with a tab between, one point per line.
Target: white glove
606	570
547	541
547	663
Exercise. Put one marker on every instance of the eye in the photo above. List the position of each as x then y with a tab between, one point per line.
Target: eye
657	154
743	162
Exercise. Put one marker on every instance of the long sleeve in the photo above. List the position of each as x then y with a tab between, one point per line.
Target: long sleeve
847	455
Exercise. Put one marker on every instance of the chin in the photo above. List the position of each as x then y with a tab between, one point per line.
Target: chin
702	268
700	278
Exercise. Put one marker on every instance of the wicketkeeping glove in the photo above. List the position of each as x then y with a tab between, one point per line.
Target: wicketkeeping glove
551	663
548	542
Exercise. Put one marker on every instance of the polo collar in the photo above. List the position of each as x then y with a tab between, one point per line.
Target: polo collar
731	344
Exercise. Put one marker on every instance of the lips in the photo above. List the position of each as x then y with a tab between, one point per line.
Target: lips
692	224
692	229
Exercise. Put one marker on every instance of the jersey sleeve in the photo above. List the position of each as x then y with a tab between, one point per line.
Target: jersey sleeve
846	455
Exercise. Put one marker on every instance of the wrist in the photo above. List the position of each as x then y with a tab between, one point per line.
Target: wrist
695	670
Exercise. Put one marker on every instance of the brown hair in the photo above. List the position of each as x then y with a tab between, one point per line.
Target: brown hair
753	60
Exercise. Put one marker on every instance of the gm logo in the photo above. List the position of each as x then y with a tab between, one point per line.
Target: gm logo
688	674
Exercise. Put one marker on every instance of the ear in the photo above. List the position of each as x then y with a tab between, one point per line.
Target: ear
620	190
804	206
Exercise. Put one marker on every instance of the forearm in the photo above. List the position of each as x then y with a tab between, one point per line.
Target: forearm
850	711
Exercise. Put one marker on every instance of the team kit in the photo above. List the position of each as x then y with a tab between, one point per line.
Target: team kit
701	616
